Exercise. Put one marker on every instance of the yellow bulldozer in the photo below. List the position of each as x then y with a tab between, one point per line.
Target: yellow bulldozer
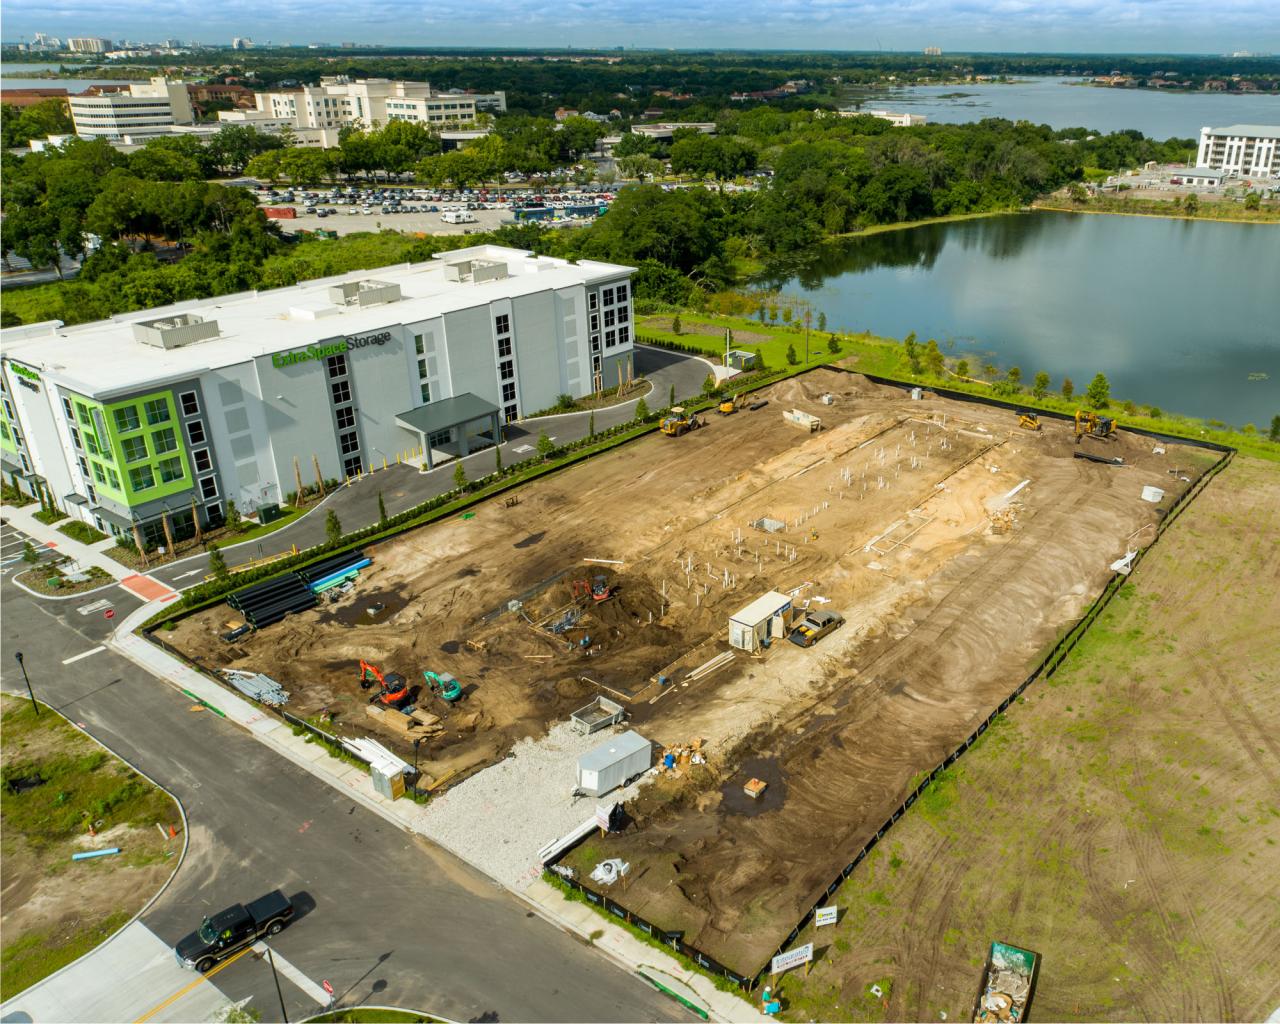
678	422
1028	420
1090	424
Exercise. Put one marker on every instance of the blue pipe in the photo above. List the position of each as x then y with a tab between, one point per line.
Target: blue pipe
332	577
95	853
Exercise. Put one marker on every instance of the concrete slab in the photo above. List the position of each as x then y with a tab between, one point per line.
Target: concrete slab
125	978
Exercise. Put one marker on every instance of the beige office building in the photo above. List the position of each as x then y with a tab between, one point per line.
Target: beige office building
151	108
337	102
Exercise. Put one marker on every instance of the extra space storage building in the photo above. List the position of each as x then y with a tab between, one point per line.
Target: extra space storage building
174	411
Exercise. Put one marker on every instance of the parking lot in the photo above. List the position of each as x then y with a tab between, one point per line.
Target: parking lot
349	220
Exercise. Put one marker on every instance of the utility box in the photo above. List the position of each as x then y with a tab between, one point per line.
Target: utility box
611	764
764	619
388	783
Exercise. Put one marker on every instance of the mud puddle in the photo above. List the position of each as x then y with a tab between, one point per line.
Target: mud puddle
734	801
368	609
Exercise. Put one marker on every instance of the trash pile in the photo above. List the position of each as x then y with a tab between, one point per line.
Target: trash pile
1004	519
680	756
609	871
1007	986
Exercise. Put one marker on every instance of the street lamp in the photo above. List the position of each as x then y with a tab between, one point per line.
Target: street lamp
34	704
284	1014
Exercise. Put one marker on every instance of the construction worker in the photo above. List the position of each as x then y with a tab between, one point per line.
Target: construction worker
768	1004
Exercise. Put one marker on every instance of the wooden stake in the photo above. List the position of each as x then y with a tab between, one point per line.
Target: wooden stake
137	540
168	532
195	519
297	476
315	461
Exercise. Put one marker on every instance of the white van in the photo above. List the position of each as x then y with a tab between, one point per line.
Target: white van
458	217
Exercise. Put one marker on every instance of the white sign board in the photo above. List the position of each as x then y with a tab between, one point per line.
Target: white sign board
792	958
825	915
603	813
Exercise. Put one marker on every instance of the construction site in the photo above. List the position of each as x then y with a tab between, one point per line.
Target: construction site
953	541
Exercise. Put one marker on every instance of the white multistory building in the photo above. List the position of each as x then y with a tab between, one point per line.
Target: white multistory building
89	44
1244	150
150	108
374	102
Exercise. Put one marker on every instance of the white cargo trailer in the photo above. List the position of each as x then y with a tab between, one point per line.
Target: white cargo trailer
611	764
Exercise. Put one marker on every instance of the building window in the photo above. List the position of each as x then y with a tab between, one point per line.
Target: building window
157	410
420	344
595	321
170	470
502	323
337	365
208	487
610	339
141	478
504	348
164	441
202	461
439	438
593	300
93	500
507	370
624	335
509	392
84	466
195	432
349	442
135	448
113	481
353	466
595	343
98	475
341	391
610	317
422	369
75	438
621	292
595	365
127	418
66	408
190	403
622	313
607	296
346	418
425	390
509	414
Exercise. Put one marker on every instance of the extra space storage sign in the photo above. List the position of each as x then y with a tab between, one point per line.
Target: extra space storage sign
325	349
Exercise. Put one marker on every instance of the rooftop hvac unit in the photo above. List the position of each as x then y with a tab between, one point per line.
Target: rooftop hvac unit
175	331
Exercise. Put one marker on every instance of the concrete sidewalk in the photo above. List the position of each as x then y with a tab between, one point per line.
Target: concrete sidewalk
617	943
24	519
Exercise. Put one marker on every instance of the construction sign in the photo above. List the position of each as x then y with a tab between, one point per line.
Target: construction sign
792	958
825	915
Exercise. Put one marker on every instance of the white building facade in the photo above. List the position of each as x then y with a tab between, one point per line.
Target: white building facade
1243	150
172	412
338	102
150	108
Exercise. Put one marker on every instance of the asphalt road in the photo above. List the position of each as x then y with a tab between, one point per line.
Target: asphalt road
403	487
385	918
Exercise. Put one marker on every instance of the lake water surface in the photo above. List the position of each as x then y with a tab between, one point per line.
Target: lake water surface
1177	314
1059	104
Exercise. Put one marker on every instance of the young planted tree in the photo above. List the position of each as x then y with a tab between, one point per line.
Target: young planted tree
218	564
332	529
591	424
773	313
642	408
1015	376
29	550
709	386
382	510
545	445
671	397
497	455
1099	392
1068	389
1274	434
459	475
787	314
934	361
833	345
1041	385
962	368
233	518
792	358
913	351
675	324
822	321
762	314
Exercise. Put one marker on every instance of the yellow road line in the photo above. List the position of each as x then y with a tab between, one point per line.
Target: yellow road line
199	981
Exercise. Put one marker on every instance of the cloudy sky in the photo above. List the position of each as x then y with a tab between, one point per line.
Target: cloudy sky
1168	26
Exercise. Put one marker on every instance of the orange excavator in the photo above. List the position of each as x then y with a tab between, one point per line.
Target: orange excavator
393	688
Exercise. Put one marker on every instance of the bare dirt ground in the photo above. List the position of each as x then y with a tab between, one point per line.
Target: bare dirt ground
911	519
1123	820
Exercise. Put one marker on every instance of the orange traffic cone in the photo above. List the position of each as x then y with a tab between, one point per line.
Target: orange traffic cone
173	832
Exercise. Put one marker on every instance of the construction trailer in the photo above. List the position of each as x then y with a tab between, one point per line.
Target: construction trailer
764	620
614	763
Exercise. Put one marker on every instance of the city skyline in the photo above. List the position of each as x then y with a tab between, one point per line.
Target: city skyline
1075	26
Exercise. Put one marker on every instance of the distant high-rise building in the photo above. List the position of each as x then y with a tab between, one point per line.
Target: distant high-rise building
242	43
173	44
89	44
933	51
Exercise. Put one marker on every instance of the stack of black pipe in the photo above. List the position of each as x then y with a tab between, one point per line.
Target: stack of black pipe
268	602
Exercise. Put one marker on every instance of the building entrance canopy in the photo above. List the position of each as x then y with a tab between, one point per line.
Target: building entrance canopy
447	415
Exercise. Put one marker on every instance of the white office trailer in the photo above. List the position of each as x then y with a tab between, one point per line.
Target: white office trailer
614	763
174	411
761	622
1241	150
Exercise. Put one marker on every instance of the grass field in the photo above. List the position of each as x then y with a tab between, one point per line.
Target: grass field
56	909
1123	820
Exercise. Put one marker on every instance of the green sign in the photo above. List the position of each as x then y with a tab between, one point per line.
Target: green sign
22	371
324	351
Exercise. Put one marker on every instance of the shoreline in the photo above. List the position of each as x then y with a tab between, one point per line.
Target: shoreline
1158	216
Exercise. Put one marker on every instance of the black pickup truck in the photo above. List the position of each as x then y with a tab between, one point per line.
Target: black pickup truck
232	929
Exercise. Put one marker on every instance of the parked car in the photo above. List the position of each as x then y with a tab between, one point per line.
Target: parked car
230	930
813	627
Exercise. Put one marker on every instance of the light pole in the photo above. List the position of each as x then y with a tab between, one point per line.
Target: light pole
284	1014
416	743
34	704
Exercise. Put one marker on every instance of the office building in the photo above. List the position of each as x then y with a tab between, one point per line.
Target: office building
1244	150
89	44
150	108
337	102
174	411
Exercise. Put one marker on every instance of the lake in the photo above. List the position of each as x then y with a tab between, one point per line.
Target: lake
1052	101
1176	313
12	76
